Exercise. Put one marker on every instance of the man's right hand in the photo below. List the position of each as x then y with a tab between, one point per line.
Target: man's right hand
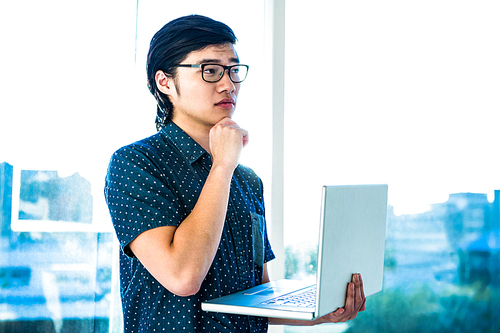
227	140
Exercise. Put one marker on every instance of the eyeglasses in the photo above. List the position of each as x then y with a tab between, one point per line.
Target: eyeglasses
214	72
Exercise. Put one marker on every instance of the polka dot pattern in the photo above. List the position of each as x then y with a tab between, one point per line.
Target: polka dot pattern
156	182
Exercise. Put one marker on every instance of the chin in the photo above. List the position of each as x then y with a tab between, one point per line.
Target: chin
226	112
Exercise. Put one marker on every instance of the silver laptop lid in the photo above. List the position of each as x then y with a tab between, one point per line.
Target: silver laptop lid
353	222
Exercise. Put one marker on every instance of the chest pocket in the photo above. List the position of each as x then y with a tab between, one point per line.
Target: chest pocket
258	223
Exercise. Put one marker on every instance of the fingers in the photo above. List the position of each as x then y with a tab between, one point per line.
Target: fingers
363	307
243	134
350	302
359	299
226	141
226	120
357	295
245	139
354	303
355	298
230	123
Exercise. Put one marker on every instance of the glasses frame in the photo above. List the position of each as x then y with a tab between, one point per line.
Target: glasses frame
228	68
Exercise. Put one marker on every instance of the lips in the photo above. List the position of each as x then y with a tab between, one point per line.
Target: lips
227	102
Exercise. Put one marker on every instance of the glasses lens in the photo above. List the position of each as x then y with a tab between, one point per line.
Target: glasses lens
212	73
238	73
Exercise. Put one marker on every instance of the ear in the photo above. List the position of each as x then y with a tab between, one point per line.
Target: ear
164	83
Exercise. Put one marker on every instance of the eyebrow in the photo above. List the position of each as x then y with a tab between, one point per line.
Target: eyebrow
216	61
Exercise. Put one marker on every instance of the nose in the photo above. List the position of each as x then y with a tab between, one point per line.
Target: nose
225	83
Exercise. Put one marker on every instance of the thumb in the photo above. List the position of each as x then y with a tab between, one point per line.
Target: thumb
245	138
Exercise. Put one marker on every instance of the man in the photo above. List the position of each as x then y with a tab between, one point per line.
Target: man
189	218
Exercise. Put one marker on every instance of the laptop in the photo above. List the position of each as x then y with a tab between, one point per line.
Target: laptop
351	240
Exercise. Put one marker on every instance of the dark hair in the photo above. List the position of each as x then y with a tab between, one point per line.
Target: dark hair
172	44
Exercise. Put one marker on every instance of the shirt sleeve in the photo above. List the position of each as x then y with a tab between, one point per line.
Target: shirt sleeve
138	196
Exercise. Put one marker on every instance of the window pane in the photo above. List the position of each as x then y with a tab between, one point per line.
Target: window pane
404	94
58	106
74	91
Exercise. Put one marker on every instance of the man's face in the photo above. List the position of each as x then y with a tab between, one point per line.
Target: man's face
199	103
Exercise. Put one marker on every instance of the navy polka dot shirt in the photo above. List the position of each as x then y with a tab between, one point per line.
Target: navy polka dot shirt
156	182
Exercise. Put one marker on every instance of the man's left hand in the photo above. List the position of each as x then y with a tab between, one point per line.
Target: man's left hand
355	302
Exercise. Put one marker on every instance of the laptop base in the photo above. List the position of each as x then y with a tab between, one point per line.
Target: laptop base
249	301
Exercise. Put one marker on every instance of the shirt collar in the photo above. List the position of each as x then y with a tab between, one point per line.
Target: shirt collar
191	150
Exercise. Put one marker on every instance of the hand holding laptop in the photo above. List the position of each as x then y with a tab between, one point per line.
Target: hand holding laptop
355	302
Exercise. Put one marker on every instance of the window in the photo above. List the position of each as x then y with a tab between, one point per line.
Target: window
388	92
74	90
402	93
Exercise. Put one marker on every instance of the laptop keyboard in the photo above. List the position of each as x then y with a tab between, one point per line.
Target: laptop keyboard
305	298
